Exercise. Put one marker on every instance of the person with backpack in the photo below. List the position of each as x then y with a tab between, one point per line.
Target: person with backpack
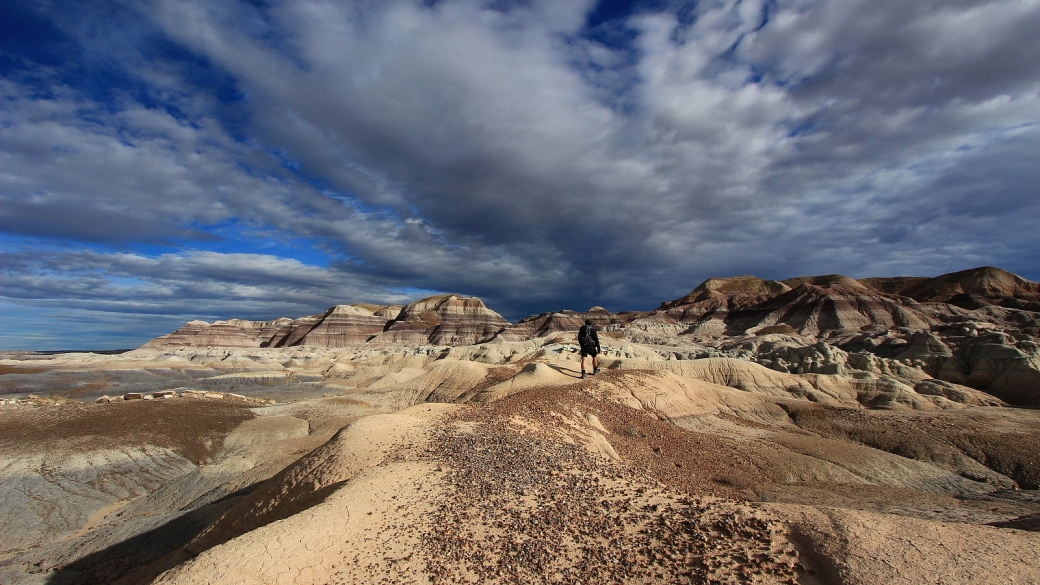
588	340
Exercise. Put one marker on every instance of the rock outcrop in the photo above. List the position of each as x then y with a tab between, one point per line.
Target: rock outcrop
978	287
443	320
560	322
260	331
809	309
970	289
970	331
438	320
340	326
203	334
749	285
892	285
344	325
292	332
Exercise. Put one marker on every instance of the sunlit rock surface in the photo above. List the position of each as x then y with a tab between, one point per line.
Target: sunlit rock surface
443	320
770	429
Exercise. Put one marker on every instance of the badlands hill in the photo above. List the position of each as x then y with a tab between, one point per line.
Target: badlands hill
976	328
811	430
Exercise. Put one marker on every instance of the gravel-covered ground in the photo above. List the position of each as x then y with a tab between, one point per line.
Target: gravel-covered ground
564	484
528	505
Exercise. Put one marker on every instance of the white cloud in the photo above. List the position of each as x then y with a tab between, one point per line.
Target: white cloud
507	153
208	283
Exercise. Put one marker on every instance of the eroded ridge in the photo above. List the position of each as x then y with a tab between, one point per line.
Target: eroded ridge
528	503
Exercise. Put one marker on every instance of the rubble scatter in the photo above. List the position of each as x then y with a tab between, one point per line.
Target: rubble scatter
528	506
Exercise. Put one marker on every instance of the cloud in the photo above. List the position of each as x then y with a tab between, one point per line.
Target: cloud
511	151
168	284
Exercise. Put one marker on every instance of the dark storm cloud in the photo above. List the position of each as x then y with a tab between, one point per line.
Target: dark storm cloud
539	154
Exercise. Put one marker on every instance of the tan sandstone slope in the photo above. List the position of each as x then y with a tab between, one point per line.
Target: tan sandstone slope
656	470
812	430
586	483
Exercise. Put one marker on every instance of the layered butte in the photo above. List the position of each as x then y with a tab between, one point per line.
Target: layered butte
810	430
440	320
975	329
443	320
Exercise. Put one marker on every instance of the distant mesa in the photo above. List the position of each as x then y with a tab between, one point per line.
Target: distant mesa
976	328
438	320
814	306
825	280
564	321
218	334
894	285
978	287
443	320
340	326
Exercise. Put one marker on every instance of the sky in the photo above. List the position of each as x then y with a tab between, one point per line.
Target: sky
167	160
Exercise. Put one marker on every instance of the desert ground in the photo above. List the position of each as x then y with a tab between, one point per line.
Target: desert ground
818	430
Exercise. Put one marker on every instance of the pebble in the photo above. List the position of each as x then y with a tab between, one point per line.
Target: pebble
527	506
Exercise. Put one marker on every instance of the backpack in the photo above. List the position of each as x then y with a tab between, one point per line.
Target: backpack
585	336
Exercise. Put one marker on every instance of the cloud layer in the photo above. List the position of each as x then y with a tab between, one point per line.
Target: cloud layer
524	152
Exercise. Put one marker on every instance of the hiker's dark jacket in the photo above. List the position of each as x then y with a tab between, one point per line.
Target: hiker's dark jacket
595	338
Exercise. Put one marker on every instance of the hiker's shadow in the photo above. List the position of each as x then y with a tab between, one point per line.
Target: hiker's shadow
566	371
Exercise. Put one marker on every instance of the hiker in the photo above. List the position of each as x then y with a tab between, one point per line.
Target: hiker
588	340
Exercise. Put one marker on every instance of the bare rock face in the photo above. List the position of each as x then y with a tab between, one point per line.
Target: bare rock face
979	287
560	322
1003	362
543	325
825	280
813	309
340	326
814	305
892	285
292	332
390	312
260	331
202	334
443	320
721	287
231	333
988	282
964	332
344	325
810	309
970	289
